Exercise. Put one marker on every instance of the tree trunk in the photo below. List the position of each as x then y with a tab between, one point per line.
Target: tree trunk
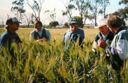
95	19
28	25
81	19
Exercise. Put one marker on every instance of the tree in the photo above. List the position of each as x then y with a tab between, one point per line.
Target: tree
52	14
104	4
1	22
123	13
124	2
68	8
96	6
68	11
18	8
53	23
66	24
82	6
36	7
28	19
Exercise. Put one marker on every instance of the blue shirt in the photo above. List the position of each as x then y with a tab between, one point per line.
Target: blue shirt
73	36
8	38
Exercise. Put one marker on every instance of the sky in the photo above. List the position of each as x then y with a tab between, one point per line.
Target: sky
5	6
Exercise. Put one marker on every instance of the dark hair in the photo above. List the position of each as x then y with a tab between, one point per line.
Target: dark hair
114	21
37	24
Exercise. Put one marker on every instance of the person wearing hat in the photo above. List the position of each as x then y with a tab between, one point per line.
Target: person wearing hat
40	33
104	34
73	34
10	36
118	49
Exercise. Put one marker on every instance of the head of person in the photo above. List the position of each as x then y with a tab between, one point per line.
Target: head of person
73	24
12	24
114	22
104	29
38	25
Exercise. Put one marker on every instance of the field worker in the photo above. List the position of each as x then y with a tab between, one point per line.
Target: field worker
73	33
40	33
10	36
119	46
104	34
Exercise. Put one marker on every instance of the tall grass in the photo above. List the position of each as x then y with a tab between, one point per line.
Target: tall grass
50	62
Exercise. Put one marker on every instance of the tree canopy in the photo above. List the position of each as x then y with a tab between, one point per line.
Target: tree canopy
123	13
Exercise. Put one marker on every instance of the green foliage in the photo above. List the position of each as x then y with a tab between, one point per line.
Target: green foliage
69	9
123	13
66	25
123	2
79	21
36	7
53	23
18	8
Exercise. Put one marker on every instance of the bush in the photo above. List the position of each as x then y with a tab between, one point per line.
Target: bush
66	25
79	21
53	23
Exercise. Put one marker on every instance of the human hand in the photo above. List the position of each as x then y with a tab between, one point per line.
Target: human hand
102	43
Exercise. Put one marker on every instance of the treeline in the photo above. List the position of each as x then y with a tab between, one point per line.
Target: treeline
87	9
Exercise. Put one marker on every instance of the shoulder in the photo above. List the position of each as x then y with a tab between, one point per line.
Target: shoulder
110	33
32	32
98	36
16	34
123	34
68	31
4	35
80	30
46	30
